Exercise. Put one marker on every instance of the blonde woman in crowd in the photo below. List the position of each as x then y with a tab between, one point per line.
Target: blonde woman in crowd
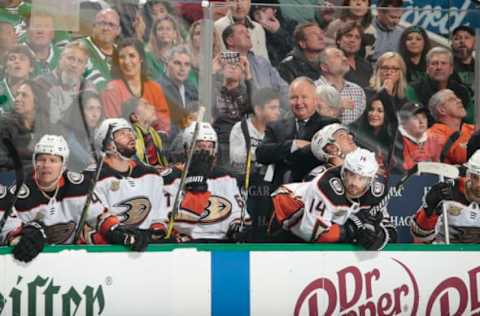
389	78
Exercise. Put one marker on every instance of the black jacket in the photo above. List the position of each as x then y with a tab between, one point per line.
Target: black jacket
296	65
277	143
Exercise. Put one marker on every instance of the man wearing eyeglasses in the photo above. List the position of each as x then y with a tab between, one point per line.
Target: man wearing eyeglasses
101	46
440	76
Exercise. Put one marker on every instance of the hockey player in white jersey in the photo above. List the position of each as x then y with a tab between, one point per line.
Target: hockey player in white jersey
211	207
50	201
334	206
461	201
330	145
130	190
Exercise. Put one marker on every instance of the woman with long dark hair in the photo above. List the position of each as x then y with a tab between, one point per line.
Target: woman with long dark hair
131	79
376	130
413	47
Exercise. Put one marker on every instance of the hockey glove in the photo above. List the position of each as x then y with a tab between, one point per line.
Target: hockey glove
374	236
32	241
236	234
439	192
199	170
135	239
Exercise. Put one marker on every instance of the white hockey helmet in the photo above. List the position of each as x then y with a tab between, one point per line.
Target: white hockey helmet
322	138
361	162
205	133
473	164
101	137
52	145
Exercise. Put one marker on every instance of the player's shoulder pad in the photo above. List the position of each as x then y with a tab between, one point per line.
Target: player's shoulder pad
219	172
141	169
169	174
330	183
74	177
377	188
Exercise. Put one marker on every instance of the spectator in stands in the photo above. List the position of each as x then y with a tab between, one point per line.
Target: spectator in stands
8	40
63	84
101	47
76	136
237	38
149	146
376	131
349	40
418	143
324	12
357	11
230	99
249	133
334	66
238	14
18	68
413	47
153	11
303	60
40	34
287	142
131	79
439	72
25	124
329	101
16	13
178	90
449	113
463	44
388	80
165	36
387	30
278	29
194	44
245	137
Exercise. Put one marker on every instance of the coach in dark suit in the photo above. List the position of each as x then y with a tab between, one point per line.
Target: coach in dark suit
287	142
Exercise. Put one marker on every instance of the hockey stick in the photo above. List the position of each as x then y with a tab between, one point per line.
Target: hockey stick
424	167
191	149
246	185
99	164
19	179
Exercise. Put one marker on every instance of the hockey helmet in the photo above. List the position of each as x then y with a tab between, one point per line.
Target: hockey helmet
324	137
361	162
473	164
109	126
205	133
52	145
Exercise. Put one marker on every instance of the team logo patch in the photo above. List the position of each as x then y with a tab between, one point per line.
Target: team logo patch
3	191
115	185
377	189
217	210
337	185
454	210
23	193
75	177
60	233
137	209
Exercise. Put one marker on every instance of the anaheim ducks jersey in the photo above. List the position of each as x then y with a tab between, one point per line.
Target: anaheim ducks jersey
13	223
205	215
135	196
60	211
310	210
463	221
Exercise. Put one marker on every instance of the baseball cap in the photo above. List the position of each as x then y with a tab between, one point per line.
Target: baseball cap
465	28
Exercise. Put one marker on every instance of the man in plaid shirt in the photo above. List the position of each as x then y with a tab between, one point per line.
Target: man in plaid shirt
334	66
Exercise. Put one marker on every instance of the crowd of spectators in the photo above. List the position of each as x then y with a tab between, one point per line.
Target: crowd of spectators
276	82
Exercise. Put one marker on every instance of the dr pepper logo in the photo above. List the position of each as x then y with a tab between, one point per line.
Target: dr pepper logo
390	290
